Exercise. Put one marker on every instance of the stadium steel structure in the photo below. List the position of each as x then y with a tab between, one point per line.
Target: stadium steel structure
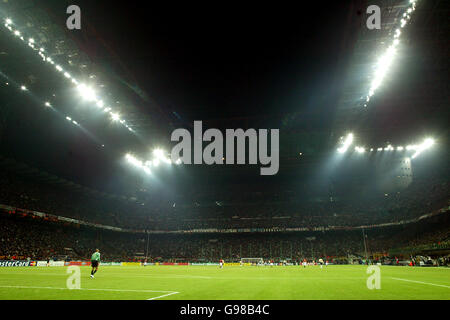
301	144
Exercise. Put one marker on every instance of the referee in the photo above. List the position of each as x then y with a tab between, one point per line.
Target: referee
95	259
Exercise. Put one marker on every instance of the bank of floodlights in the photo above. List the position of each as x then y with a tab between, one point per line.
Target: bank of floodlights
384	62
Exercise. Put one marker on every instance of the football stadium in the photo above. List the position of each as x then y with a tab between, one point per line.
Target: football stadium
230	153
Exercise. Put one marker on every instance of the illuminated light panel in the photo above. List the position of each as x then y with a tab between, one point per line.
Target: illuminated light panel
384	63
418	148
428	143
115	116
31	43
346	143
86	92
158	158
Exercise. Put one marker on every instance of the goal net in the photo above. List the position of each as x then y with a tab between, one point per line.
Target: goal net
252	260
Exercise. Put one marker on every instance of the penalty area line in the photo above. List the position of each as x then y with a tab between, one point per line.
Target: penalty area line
164	295
421	282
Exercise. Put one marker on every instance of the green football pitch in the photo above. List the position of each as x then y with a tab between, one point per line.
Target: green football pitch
229	283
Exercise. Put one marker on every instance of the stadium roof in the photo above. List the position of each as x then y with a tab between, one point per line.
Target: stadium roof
310	121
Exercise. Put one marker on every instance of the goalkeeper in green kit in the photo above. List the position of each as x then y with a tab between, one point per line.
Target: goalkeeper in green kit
95	260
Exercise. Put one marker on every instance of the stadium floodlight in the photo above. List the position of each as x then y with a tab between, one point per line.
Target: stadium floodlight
23	88
178	162
382	68
131	159
400	148
115	116
360	149
47	104
158	153
428	143
100	103
69	118
74	122
380	149
86	92
385	61
346	143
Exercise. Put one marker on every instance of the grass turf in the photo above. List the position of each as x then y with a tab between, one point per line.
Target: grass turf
229	283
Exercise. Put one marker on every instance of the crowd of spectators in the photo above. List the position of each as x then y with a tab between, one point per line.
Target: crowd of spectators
261	211
25	237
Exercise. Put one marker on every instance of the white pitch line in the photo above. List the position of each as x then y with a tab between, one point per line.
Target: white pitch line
164	295
92	289
421	282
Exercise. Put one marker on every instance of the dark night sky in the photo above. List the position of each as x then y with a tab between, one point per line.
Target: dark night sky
226	60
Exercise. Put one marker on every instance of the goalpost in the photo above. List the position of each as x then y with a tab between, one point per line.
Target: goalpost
252	260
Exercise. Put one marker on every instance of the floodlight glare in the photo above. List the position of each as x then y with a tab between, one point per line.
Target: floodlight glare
23	88
428	143
158	153
115	116
86	92
346	143
8	21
